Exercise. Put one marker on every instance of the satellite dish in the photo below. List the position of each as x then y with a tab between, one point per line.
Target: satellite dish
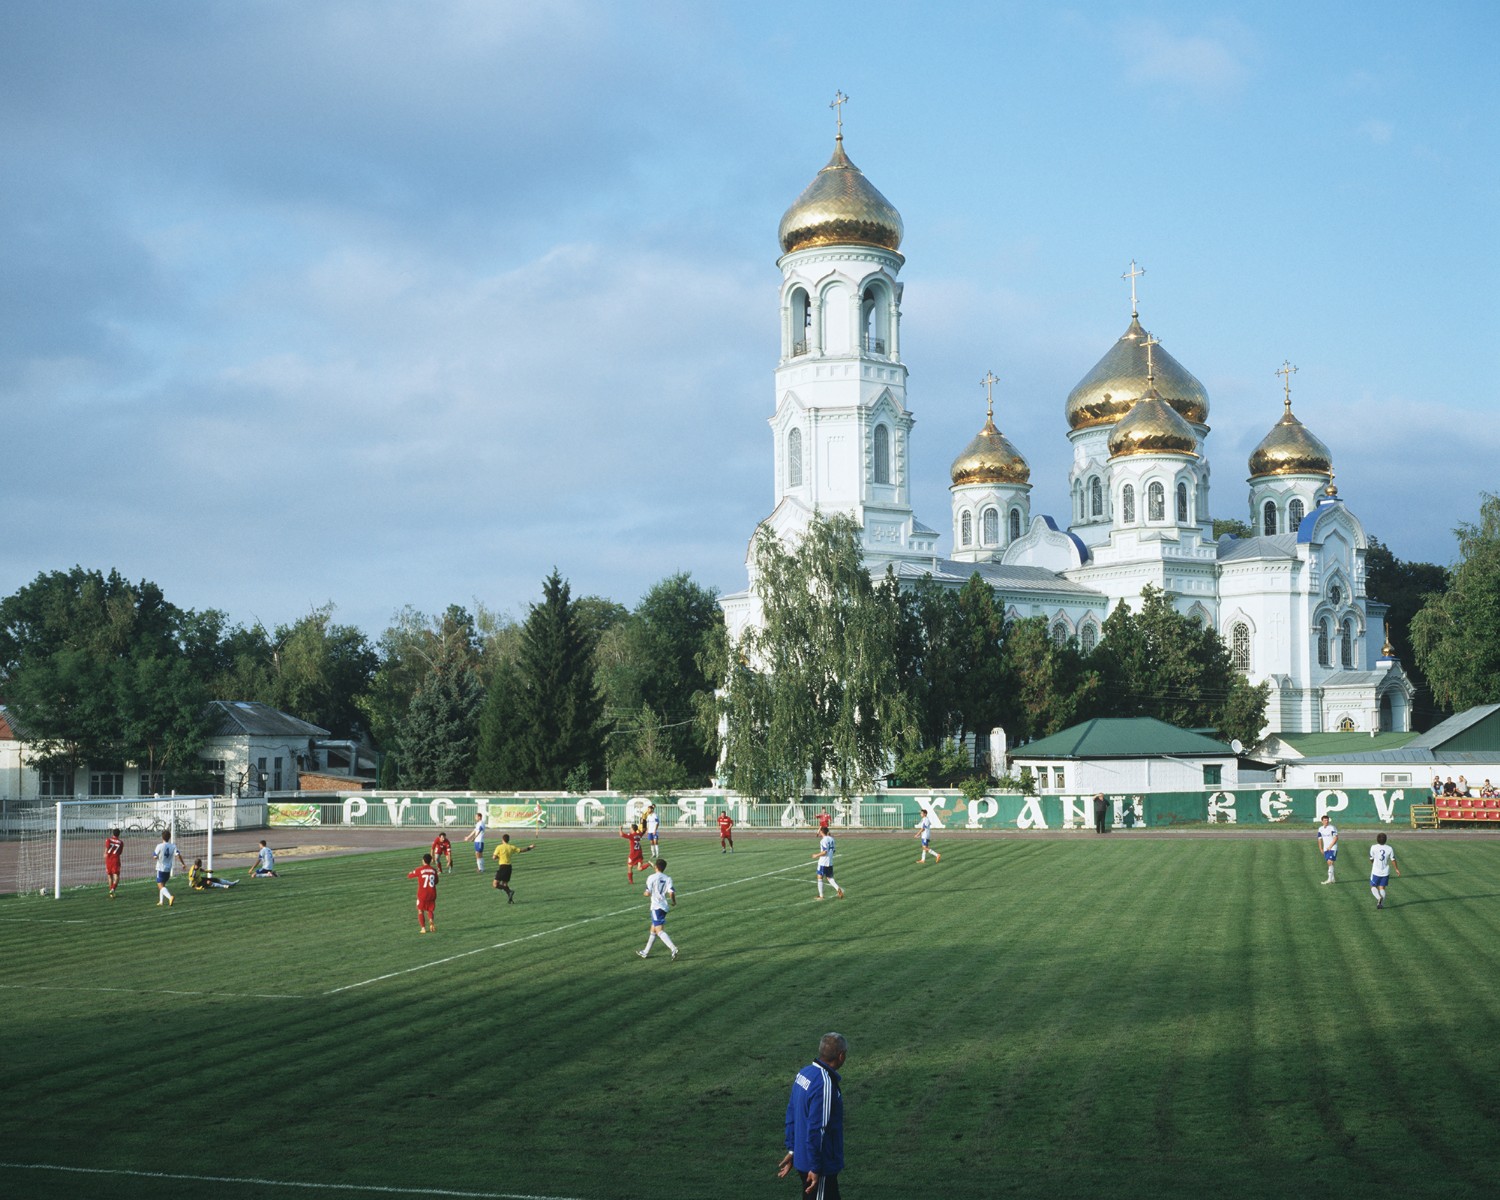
1237	746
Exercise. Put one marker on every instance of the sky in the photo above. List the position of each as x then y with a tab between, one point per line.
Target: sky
383	304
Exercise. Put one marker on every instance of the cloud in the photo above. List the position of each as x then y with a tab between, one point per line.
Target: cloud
1205	65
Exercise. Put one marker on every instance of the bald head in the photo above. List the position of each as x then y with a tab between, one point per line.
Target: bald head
833	1049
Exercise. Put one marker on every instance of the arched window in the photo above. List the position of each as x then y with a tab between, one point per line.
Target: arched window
882	454
1268	518
794	458
1323	642
1346	644
801	322
874	321
1239	652
1015	524
1156	503
966	528
1346	725
1059	634
1335	595
1295	511
1088	639
1182	504
991	531
1127	505
1096	497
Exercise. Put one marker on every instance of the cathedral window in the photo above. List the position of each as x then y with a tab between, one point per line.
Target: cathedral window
801	322
882	454
1088	639
794	458
1182	505
1156	503
1240	647
966	529
1335	595
1323	643
1346	644
1015	524
1096	497
1127	505
1295	511
874	321
991	521
1059	634
1268	518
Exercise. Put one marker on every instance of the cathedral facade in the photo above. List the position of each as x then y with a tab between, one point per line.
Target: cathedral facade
1289	600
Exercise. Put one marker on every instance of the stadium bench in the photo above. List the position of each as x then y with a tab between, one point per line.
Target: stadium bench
1465	808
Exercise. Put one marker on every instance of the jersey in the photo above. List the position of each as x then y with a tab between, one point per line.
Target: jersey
726	823
633	836
825	852
1381	860
506	851
653	823
925	826
113	848
165	855
815	1121
426	878
659	889
478	835
199	878
441	845
265	859
824	820
1328	836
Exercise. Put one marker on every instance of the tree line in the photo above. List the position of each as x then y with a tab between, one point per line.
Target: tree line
846	679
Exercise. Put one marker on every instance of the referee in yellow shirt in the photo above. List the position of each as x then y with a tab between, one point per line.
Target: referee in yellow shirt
504	853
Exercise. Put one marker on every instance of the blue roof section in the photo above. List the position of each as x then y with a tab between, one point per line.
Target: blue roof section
1083	551
1002	577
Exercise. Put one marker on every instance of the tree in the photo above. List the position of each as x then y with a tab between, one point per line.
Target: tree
436	740
1233	526
1047	686
814	689
1456	635
1405	587
645	764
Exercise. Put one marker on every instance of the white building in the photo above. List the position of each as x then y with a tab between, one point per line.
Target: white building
1289	601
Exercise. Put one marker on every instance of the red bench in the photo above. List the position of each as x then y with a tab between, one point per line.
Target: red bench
1466	808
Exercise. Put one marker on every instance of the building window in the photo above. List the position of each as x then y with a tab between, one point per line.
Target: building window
1182	507
1329	778
1156	503
1088	639
991	527
1059	634
1213	774
106	783
882	454
152	783
1239	638
1323	643
1015	524
801	322
1335	595
1127	505
966	529
56	785
1346	644
1096	497
794	458
218	775
1268	518
1058	779
1395	777
276	776
1295	511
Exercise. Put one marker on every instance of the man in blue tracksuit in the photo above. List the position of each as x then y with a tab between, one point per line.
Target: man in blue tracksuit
815	1121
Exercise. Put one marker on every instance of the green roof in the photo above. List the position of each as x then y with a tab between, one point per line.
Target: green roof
1123	737
1312	745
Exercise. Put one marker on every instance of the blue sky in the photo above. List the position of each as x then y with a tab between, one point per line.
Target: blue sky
392	303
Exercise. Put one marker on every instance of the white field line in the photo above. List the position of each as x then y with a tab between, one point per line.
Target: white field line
50	987
281	1183
438	962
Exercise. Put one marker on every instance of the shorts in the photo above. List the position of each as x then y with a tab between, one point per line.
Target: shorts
479	848
111	866
1330	855
502	873
658	916
427	903
925	839
825	872
164	877
1380	880
635	860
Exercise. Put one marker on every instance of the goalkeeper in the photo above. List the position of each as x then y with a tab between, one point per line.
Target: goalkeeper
201	879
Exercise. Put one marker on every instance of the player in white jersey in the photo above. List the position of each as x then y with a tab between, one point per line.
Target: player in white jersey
825	865
1382	863
924	835
653	832
660	896
165	852
476	835
1328	844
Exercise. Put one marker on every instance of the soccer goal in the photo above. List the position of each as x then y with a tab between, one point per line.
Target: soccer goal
62	845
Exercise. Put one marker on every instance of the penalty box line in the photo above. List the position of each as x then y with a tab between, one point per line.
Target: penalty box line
280	1183
438	962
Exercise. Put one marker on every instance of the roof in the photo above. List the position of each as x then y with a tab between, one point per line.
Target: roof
9	731
1123	737
251	718
1467	722
1472	736
1002	577
1307	744
1278	545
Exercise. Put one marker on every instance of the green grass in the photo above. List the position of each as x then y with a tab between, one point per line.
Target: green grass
1052	1018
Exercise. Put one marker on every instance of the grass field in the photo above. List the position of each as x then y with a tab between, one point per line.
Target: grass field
1121	1017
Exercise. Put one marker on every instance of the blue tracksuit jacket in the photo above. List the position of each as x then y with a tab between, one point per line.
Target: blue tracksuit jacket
815	1121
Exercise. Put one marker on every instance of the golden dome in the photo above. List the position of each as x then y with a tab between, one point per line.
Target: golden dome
990	458
1118	380
1289	449
840	207
1152	426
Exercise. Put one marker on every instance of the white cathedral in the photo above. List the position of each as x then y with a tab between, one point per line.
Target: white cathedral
1289	601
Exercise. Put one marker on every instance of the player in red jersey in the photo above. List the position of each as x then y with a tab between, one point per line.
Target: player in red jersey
726	833
823	822
632	834
442	853
426	876
113	848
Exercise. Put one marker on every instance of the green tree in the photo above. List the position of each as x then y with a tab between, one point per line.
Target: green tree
1405	587
1233	526
1456	635
814	690
645	764
437	739
1047	686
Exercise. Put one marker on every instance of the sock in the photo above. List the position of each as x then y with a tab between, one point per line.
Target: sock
820	887
1375	892
667	942
650	941
166	894
836	887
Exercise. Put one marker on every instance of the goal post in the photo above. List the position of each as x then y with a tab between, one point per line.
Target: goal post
64	848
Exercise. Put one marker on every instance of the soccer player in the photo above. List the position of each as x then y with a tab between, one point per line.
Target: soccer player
426	876
632	834
1328	844
442	853
653	831
660	896
165	852
200	879
265	862
824	821
113	849
924	835
825	865
476	835
504	852
1382	863
726	833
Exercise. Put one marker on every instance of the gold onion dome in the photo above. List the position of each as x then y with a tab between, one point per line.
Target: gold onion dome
1152	426
1119	379
1290	449
840	207
990	458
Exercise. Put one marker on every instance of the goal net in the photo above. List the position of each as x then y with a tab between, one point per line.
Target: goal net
62	844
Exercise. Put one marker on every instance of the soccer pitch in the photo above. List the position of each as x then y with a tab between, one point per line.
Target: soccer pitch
1122	1016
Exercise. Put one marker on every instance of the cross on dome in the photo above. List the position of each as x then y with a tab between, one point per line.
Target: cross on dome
988	384
1150	362
1286	371
1133	274
839	100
